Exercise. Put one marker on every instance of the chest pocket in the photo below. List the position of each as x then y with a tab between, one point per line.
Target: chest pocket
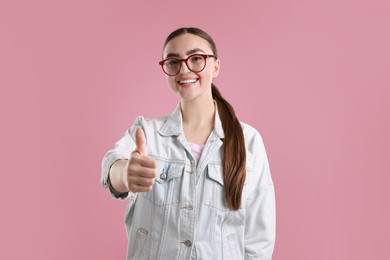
214	188
166	189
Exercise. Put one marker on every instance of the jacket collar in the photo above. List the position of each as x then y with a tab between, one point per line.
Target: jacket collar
174	125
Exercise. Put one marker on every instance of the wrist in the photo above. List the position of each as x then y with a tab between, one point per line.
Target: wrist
124	175
116	193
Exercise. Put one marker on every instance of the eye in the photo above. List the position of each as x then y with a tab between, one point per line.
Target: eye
171	62
196	59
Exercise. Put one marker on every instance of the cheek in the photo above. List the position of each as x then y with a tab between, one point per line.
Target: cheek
207	76
210	70
171	82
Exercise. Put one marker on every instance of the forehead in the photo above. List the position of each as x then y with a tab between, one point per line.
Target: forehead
186	42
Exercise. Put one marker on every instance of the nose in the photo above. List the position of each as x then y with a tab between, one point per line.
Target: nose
183	68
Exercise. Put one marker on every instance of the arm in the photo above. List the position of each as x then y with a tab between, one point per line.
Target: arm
260	224
260	219
117	178
137	173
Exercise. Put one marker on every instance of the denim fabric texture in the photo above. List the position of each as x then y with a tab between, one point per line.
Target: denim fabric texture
185	215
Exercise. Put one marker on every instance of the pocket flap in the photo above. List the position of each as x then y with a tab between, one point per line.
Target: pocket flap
215	172
168	171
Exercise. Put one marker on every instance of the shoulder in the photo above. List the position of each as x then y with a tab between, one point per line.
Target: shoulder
254	144
248	129
251	134
149	125
142	121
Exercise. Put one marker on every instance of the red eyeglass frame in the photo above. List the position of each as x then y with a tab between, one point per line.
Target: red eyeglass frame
205	56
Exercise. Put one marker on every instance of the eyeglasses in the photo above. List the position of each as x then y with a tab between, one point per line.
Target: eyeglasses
194	62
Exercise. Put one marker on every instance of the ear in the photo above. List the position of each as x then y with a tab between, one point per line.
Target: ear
216	68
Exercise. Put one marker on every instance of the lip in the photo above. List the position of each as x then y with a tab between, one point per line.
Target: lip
182	79
186	85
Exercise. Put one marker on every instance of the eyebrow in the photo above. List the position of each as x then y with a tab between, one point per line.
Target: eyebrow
169	55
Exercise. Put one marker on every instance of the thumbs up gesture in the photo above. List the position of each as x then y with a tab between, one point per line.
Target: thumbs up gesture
140	142
141	169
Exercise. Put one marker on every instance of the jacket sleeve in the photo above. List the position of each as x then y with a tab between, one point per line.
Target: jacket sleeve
260	219
122	150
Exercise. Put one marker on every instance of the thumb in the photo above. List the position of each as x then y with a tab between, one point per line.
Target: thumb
140	141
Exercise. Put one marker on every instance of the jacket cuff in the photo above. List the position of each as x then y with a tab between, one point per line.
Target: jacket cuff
109	159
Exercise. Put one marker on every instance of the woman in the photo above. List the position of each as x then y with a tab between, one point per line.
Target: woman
198	181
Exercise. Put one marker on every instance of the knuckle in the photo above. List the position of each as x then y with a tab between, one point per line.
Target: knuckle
150	182
154	173
154	163
130	167
133	170
133	158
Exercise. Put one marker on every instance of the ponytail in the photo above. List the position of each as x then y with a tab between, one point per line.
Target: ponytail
234	155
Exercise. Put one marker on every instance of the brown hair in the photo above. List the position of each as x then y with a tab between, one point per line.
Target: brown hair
234	155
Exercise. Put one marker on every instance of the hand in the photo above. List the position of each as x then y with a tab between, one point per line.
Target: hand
141	169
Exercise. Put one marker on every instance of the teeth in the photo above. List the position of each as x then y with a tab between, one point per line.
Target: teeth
187	81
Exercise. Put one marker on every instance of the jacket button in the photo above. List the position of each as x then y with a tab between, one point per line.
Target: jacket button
163	176
190	207
188	243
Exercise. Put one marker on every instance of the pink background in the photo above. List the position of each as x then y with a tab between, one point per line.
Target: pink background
311	76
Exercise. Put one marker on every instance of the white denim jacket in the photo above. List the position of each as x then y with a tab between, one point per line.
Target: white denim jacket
185	215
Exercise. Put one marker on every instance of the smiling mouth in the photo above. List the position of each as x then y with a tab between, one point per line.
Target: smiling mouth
187	81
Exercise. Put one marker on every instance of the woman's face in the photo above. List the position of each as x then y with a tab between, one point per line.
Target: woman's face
187	84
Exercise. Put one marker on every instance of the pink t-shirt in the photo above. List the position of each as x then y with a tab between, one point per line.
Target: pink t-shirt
196	150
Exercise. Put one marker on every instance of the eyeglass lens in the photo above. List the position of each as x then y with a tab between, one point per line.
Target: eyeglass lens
195	63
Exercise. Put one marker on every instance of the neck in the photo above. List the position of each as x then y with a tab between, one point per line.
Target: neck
198	118
198	112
